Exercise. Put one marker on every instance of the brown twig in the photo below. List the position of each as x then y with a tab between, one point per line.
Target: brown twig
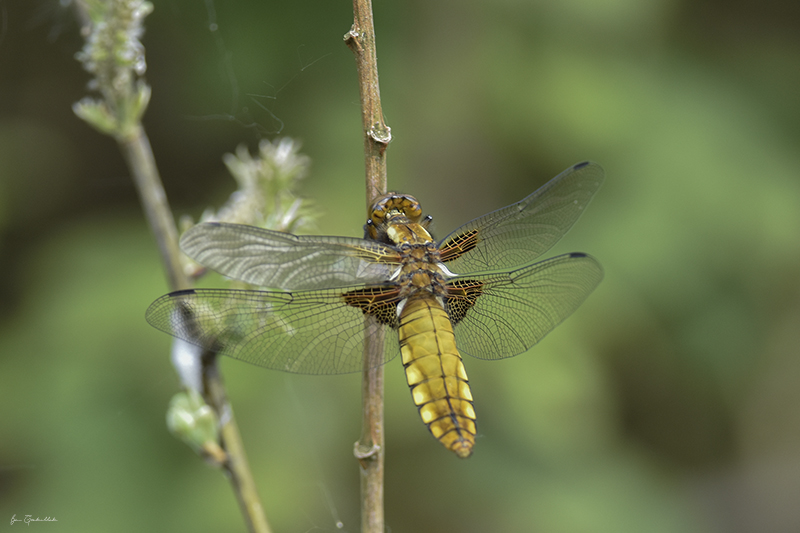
369	450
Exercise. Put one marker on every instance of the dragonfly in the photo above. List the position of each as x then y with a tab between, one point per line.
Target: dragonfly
479	291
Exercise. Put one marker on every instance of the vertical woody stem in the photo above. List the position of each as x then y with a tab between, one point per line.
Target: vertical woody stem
369	449
377	135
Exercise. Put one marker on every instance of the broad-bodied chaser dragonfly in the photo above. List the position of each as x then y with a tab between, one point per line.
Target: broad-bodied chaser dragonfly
478	291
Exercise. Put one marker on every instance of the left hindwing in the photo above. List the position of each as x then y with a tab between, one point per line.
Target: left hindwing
504	314
304	332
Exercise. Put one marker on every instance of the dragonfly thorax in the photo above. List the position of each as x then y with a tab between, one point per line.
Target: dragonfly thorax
420	269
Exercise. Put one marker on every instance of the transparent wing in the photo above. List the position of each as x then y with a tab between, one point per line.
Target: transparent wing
289	262
518	234
306	332
504	314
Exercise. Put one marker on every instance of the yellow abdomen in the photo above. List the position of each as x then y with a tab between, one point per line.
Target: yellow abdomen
436	374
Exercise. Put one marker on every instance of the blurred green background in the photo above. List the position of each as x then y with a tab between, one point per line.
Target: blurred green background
670	402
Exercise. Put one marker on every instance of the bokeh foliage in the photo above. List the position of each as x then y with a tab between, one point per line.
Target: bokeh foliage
668	403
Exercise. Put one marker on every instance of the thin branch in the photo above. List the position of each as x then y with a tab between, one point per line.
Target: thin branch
115	56
369	450
139	156
236	466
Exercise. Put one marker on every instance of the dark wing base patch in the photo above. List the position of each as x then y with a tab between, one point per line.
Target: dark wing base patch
379	302
459	245
461	297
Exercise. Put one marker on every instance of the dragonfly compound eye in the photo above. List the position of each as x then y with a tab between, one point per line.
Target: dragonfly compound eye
395	204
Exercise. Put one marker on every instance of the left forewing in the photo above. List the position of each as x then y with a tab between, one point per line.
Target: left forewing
283	261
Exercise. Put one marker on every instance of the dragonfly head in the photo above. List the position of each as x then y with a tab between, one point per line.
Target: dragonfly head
391	208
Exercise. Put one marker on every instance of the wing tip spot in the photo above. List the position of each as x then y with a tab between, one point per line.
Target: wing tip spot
182	292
